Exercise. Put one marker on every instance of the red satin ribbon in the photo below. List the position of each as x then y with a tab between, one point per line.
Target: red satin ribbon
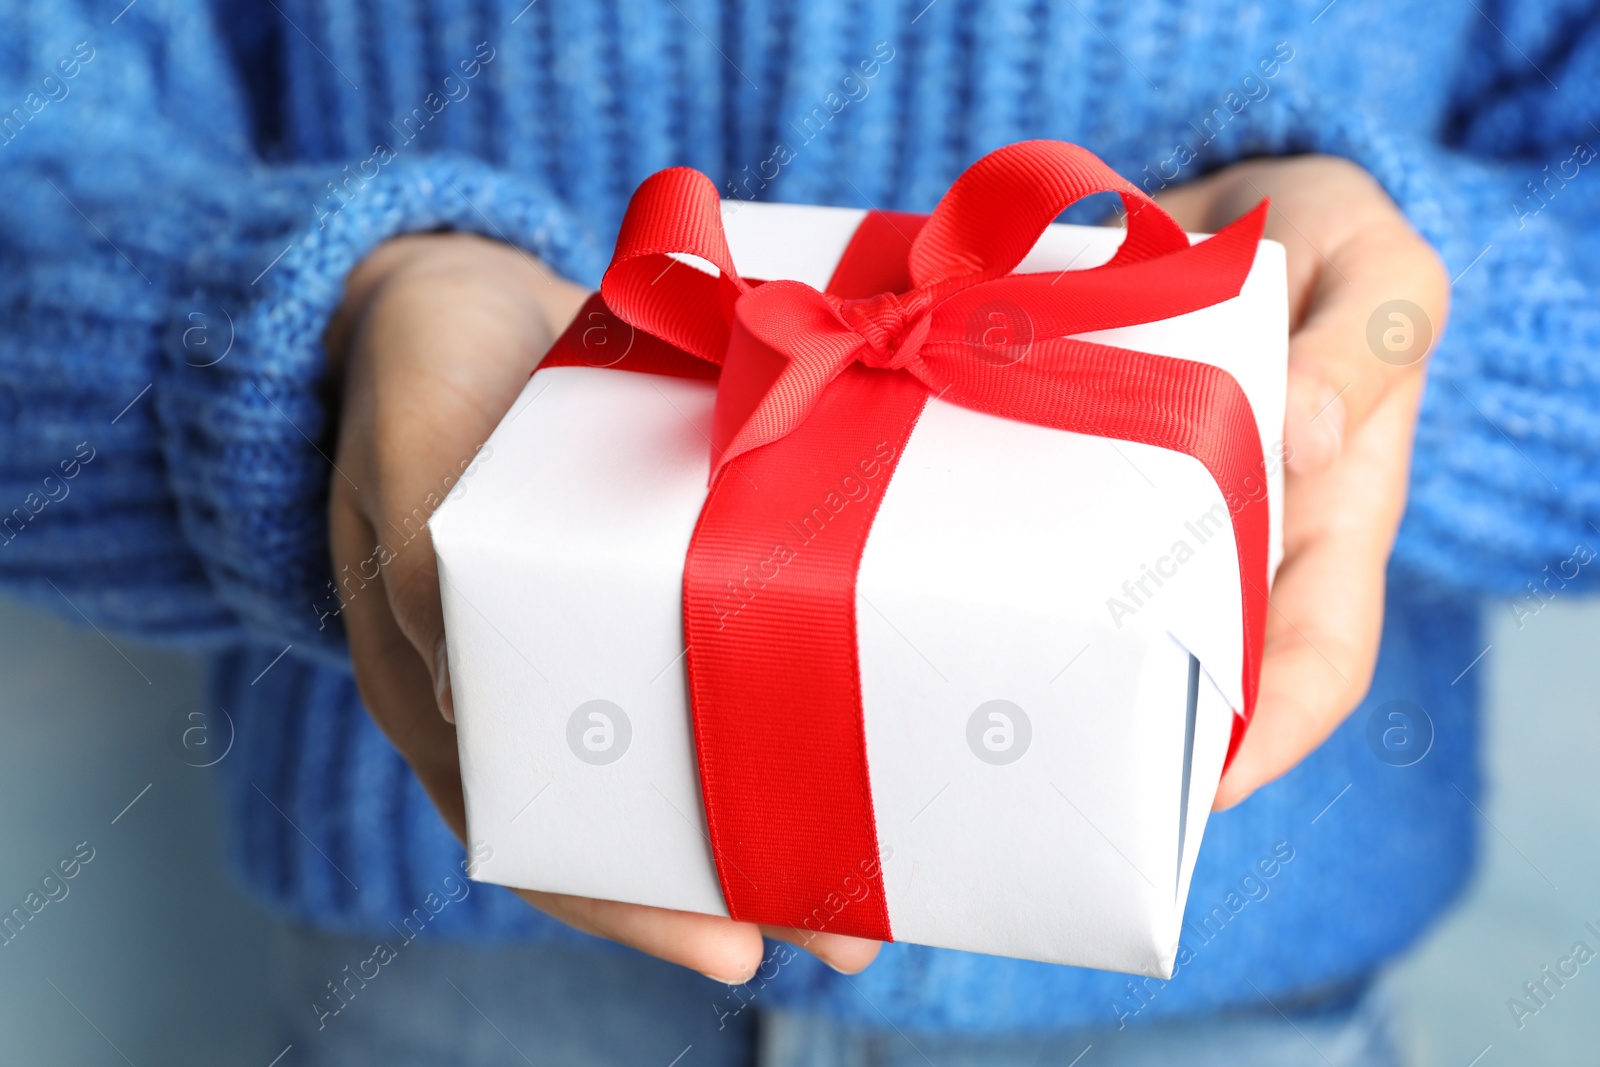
817	396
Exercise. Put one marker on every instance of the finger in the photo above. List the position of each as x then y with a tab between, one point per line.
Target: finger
1325	617
846	954
392	678
1367	322
411	589
717	947
1308	687
1312	675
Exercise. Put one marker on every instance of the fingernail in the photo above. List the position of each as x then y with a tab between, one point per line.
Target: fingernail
725	981
441	683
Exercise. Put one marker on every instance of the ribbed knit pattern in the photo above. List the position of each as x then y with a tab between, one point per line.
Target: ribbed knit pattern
210	175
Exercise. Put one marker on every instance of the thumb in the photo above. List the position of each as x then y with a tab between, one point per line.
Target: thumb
411	583
1369	319
419	470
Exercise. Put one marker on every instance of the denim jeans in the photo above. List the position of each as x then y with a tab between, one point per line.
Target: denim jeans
1356	1033
442	1003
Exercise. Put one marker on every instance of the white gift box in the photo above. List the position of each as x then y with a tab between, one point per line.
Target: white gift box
1048	625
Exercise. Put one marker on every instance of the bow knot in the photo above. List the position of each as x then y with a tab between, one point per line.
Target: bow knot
893	325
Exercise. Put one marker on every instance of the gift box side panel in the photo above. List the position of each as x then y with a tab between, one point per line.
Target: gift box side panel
561	574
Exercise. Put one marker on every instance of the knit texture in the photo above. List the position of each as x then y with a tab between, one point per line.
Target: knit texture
182	208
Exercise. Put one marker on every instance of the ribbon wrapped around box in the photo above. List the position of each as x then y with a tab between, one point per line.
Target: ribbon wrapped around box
914	591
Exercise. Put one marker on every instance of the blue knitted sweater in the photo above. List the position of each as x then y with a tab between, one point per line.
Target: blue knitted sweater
186	186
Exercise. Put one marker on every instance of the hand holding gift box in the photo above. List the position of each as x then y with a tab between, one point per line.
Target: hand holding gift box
952	647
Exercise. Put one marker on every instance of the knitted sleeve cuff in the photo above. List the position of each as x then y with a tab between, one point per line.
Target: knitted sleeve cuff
247	428
1506	473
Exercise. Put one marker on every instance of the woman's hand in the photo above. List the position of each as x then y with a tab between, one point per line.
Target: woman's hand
435	340
1367	298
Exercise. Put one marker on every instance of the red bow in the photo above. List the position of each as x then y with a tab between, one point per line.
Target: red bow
781	343
926	306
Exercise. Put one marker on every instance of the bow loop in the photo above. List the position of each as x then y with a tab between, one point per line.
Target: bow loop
675	213
994	213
